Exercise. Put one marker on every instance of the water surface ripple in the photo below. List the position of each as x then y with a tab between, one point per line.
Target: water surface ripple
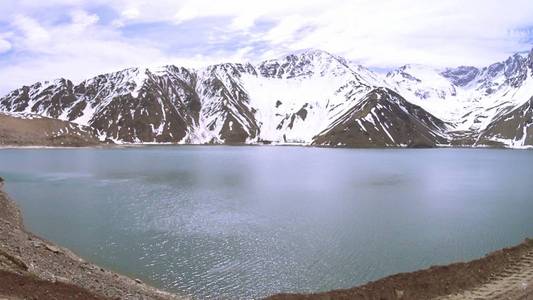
246	222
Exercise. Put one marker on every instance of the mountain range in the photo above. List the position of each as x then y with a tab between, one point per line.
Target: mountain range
309	97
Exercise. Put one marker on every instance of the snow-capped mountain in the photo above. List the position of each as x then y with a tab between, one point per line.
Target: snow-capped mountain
384	118
381	119
470	99
306	97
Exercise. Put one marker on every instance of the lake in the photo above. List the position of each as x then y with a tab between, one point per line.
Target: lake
245	222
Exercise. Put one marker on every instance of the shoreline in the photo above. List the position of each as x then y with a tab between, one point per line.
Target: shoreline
147	145
30	265
503	274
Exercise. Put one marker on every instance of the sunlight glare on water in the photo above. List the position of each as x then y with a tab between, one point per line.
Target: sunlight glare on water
247	222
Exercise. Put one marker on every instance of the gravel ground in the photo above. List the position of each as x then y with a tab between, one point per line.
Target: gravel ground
504	274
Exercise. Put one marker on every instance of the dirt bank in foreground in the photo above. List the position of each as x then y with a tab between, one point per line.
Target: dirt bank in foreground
504	274
33	268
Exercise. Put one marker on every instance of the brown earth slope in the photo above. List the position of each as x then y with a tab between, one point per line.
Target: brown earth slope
41	131
504	274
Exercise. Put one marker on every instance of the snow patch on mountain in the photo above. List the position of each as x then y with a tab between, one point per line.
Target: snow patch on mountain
291	99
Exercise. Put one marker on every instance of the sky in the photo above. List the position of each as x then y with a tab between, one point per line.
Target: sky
78	39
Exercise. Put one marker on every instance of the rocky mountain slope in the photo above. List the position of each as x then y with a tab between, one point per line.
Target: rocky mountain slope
34	130
384	118
307	97
473	100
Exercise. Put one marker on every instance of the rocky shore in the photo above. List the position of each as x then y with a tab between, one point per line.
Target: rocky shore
506	274
33	268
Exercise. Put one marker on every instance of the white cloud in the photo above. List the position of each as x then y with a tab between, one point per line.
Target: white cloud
81	19
243	22
131	13
185	14
382	33
388	33
4	46
75	50
33	34
286	29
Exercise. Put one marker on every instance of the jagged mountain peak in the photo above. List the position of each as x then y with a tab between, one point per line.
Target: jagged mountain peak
47	86
234	69
507	67
304	63
462	75
58	81
421	83
500	76
513	66
306	53
289	99
43	98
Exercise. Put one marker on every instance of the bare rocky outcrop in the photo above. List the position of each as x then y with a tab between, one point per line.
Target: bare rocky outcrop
513	126
31	130
384	119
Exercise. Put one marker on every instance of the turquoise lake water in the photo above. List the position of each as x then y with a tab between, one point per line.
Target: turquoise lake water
227	222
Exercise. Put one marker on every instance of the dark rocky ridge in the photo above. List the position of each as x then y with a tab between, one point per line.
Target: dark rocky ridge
461	76
214	105
235	116
515	125
384	119
168	103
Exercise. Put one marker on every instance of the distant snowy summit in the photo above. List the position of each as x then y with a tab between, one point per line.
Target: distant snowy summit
308	97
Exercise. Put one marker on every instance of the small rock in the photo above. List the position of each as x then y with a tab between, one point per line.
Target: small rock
399	294
138	281
53	249
62	280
